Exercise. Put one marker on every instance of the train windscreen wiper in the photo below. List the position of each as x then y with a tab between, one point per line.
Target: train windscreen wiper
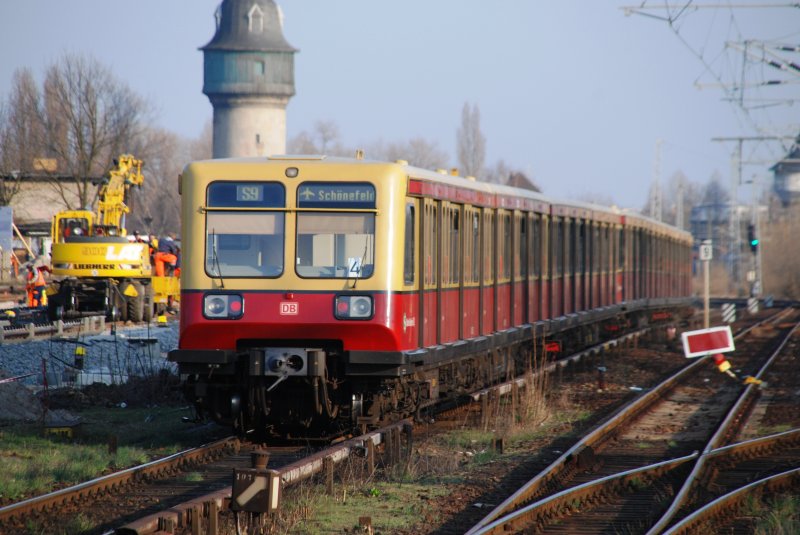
215	257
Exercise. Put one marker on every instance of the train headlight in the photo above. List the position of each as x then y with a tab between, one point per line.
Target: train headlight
353	307
223	306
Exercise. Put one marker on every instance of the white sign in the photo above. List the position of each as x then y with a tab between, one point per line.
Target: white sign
706	251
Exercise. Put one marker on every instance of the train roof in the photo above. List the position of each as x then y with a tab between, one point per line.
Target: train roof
504	196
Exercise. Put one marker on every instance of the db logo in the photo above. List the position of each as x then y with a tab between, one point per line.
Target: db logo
289	309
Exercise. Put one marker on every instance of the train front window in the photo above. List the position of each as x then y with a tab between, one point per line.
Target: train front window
335	245
335	230
245	243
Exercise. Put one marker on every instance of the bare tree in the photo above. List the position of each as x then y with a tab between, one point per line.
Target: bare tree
501	173
471	142
417	151
201	148
679	196
323	139
497	174
302	143
20	134
155	208
714	192
89	117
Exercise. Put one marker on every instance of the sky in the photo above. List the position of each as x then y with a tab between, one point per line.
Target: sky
574	93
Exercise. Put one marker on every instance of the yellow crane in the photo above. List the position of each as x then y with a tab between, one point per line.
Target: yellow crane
100	269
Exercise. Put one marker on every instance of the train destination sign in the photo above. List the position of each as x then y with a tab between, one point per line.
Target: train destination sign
707	341
333	195
246	195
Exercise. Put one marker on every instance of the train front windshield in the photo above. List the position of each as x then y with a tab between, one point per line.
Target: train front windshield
244	238
335	230
335	245
246	224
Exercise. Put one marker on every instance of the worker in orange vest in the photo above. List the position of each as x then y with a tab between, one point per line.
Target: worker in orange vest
167	254
37	297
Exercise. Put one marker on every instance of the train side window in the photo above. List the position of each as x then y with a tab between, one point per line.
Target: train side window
445	246
410	246
488	247
455	246
505	251
537	247
580	231
431	245
558	247
476	246
521	246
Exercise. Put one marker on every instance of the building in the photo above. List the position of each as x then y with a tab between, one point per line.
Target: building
787	176
248	75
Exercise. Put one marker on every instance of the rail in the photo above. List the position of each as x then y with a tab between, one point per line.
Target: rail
525	493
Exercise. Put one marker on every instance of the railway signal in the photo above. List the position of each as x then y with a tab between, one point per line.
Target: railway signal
752	238
714	341
707	341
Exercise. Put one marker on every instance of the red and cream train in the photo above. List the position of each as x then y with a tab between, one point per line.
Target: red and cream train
320	293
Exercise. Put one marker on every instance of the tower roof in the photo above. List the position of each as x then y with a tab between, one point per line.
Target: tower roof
251	25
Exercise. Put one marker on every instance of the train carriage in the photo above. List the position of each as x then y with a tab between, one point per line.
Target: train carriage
320	294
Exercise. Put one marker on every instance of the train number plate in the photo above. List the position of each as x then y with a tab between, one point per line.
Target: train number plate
289	308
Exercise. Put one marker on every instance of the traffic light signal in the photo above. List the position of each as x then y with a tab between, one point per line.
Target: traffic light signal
752	238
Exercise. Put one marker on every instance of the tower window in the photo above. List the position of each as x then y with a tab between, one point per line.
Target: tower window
258	138
255	19
259	68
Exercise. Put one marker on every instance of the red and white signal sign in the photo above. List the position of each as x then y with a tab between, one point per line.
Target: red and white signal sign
707	341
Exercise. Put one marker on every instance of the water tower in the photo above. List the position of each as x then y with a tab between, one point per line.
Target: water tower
248	75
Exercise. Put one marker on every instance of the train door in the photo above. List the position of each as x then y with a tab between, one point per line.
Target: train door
504	269
429	332
519	302
594	265
569	271
489	255
625	255
471	298
557	266
409	312
450	273
640	260
530	269
604	264
619	262
579	265
544	265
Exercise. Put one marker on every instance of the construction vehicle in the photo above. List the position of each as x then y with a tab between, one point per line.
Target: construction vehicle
102	270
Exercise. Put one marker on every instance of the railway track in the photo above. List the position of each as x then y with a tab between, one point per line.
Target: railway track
168	499
615	479
36	328
115	499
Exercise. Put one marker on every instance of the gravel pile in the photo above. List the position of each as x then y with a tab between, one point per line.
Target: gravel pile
110	357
